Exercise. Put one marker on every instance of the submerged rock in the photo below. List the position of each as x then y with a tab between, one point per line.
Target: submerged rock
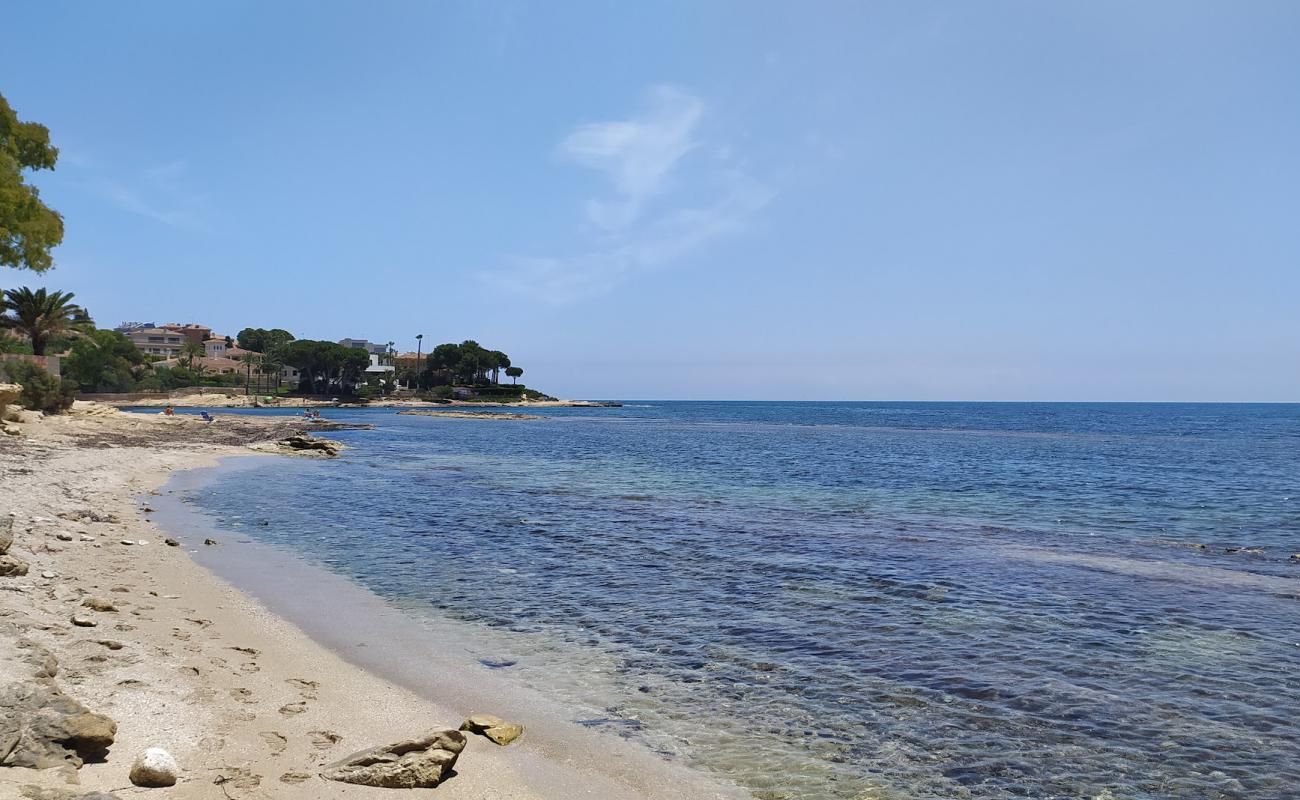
170	542
493	727
412	764
209	541
41	727
154	767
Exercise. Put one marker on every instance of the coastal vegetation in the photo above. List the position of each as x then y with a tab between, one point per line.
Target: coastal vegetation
29	229
42	316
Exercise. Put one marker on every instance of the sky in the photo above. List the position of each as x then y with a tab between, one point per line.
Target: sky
696	200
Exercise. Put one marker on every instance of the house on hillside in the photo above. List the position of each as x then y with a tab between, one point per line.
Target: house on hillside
156	341
211	365
370	347
192	331
215	347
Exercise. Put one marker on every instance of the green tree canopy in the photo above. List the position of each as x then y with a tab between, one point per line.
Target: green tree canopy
41	316
262	340
468	362
28	228
104	361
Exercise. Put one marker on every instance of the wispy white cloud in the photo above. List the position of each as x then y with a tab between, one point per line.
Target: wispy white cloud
636	154
160	192
639	228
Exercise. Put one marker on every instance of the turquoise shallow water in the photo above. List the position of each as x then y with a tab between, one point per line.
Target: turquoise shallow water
848	600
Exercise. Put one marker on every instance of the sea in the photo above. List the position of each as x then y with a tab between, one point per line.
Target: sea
841	601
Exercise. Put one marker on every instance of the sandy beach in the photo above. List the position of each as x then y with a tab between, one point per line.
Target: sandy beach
249	705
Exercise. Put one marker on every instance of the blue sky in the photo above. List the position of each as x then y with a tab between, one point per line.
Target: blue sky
858	200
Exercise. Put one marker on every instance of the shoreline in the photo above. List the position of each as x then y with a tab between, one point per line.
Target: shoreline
217	400
223	679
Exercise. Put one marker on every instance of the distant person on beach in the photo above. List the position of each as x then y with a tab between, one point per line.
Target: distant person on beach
169	411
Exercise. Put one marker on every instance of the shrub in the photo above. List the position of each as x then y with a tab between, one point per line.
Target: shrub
41	390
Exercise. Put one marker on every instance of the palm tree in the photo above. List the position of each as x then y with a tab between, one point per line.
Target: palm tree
42	316
250	360
191	351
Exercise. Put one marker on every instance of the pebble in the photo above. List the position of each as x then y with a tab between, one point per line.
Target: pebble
170	542
83	621
63	536
85	537
127	541
48	574
209	541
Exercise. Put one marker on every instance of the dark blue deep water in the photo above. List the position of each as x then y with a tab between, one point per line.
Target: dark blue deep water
853	600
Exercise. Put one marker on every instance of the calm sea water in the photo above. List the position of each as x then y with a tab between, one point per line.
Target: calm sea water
853	600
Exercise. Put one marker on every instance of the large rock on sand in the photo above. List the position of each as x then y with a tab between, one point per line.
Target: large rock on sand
6	535
41	727
413	764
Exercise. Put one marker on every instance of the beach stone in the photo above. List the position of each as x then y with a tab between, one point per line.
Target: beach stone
63	536
209	541
40	727
155	767
170	542
128	541
12	567
411	764
47	575
98	604
493	727
85	537
6	536
82	621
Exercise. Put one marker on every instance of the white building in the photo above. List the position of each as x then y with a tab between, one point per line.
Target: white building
156	341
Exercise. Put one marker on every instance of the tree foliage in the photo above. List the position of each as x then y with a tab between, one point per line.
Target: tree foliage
42	316
105	361
265	341
28	228
468	362
326	366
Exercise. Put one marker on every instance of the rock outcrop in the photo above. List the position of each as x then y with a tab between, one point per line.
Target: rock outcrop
304	443
493	727
41	727
413	764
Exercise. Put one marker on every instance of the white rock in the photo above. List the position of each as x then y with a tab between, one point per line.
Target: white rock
155	767
86	538
48	574
142	541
